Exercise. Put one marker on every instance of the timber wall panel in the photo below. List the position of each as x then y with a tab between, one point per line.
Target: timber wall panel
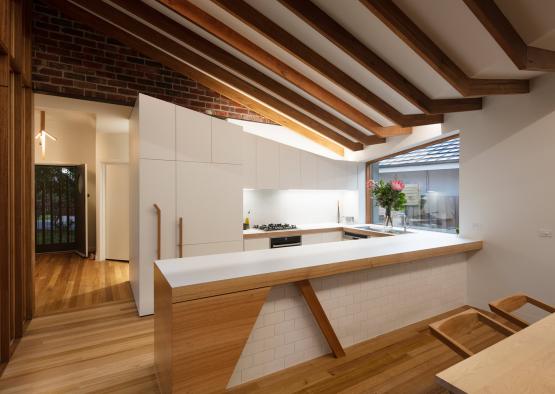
16	176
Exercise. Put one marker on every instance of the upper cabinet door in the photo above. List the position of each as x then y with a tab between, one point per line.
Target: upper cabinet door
267	164
249	161
193	138
156	129
210	201
351	175
330	174
309	171
227	139
289	167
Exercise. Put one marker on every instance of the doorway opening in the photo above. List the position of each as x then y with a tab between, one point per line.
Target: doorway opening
60	206
72	269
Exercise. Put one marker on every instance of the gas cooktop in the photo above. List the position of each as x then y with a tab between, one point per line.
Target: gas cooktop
276	227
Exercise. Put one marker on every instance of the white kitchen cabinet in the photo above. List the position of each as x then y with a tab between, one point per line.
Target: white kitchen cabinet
289	167
310	239
182	175
350	175
249	161
256	244
267	164
212	248
210	201
332	236
154	182
157	129
336	174
330	174
227	139
193	139
309	171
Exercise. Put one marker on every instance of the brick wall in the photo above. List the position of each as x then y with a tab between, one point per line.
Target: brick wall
72	60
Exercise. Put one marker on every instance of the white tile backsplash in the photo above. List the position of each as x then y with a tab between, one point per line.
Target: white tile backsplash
360	305
299	206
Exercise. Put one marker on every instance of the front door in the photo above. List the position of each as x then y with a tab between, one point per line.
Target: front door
60	204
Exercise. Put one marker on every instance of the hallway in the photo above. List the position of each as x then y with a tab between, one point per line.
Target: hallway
65	280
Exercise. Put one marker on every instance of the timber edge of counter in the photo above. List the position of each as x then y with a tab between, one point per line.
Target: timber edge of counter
201	329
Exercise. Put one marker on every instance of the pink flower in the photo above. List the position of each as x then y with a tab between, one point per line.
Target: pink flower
370	184
397	185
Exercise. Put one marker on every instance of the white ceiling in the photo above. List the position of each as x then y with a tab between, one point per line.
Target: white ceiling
533	19
455	29
449	23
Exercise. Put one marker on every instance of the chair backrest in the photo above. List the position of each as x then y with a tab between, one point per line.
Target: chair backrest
505	306
463	323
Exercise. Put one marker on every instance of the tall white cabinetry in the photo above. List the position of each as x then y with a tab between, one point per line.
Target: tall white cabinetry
190	165
271	165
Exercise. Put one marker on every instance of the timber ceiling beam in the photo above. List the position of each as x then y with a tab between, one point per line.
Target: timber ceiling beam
522	55
338	35
406	30
221	31
157	46
271	30
202	45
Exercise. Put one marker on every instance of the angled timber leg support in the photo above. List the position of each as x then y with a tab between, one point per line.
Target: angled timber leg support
316	308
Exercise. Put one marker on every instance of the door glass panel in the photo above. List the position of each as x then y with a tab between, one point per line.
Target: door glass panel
55	205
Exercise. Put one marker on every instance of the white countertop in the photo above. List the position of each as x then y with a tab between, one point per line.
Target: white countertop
190	271
323	227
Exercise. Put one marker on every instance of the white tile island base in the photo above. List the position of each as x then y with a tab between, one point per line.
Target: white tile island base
360	305
223	320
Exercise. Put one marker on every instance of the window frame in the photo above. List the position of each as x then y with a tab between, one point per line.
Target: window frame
368	206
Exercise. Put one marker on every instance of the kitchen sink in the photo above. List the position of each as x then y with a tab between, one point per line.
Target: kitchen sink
381	229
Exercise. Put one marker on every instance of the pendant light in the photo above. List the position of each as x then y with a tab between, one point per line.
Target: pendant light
42	134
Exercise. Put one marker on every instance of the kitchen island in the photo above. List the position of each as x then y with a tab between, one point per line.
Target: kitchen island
206	307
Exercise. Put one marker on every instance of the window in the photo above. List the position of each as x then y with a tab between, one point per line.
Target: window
431	176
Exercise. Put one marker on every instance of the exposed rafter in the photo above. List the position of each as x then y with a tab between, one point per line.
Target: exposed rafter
173	55
195	41
333	31
522	55
240	43
279	36
406	29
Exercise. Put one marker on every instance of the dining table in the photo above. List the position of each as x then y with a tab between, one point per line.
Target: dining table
521	363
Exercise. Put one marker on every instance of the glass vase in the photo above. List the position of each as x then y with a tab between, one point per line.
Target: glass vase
388	220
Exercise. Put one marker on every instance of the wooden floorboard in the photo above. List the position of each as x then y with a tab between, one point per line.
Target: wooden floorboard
107	348
65	280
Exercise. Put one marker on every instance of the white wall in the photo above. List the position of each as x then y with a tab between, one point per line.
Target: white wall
75	132
112	147
506	192
298	206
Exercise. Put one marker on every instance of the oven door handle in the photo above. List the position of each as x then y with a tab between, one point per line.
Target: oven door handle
286	245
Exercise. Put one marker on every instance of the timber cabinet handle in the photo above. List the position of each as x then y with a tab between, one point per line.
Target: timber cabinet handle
180	237
158	232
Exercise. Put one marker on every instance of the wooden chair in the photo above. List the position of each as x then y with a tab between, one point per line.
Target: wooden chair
462	323
505	306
